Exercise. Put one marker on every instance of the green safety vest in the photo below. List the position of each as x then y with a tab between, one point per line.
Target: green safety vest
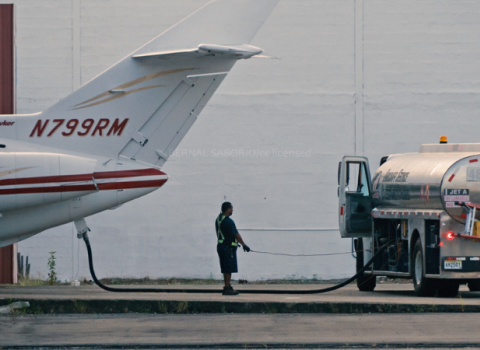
220	236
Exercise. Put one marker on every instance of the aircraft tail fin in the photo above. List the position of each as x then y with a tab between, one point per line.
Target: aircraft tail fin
142	106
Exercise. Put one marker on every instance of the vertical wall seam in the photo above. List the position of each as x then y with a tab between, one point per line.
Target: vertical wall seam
363	77
76	64
355	76
359	83
14	63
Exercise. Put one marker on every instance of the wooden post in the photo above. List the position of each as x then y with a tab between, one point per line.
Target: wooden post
7	95
7	106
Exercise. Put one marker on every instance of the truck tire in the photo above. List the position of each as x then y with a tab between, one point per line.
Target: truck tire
448	288
474	286
424	287
365	283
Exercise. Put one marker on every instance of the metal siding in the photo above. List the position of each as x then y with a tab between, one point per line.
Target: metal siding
7	106
421	79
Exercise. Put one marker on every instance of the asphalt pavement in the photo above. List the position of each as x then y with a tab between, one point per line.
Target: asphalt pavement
89	317
241	331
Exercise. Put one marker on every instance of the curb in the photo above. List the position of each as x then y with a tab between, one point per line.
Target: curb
93	306
422	345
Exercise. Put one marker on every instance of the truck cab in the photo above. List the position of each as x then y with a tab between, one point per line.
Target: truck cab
421	209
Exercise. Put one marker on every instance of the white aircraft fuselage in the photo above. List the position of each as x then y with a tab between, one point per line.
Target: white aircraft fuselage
45	187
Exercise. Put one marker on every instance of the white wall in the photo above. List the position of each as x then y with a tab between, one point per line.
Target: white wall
369	77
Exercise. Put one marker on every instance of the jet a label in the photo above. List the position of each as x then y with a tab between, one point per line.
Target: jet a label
450	196
86	127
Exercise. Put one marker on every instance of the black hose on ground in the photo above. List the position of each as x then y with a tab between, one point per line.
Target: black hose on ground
245	291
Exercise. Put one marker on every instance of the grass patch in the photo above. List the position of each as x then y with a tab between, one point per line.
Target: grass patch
79	306
292	279
161	281
37	282
208	281
31	282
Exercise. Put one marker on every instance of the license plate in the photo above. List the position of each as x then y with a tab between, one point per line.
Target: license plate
453	265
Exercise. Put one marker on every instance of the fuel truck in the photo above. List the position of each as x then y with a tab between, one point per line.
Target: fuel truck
424	208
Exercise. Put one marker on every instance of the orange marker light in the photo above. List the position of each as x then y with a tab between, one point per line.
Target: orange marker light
443	139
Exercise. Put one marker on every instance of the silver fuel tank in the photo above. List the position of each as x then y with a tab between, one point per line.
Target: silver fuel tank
435	178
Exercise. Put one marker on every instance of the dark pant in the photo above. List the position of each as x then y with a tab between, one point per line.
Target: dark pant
228	258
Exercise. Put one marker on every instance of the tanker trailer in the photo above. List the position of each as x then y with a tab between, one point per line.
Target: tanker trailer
424	208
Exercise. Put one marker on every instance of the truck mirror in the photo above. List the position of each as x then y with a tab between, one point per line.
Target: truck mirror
339	166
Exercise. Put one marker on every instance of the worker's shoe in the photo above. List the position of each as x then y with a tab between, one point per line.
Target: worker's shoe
229	291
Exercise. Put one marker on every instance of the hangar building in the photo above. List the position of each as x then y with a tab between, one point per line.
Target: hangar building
356	77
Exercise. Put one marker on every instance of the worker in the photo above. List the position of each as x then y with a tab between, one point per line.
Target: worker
228	239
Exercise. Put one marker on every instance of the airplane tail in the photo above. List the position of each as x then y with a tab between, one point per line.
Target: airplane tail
143	106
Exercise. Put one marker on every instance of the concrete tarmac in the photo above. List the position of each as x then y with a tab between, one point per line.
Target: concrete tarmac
401	293
387	298
241	331
89	317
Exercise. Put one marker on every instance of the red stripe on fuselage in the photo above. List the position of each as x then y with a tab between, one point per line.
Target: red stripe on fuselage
81	177
51	189
80	188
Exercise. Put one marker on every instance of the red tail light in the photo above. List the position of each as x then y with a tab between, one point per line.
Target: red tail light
450	235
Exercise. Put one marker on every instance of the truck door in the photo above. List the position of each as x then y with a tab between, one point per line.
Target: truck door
355	198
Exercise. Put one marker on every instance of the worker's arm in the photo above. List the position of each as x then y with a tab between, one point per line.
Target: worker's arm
239	239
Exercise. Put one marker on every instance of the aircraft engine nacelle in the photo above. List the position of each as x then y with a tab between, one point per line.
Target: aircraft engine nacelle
30	179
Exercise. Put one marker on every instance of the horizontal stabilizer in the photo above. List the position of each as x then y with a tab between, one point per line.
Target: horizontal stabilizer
237	51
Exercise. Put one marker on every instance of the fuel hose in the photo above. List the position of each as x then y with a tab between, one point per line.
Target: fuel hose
245	291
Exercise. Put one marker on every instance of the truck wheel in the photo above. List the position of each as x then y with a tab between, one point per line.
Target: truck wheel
365	283
448	288
424	287
474	285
